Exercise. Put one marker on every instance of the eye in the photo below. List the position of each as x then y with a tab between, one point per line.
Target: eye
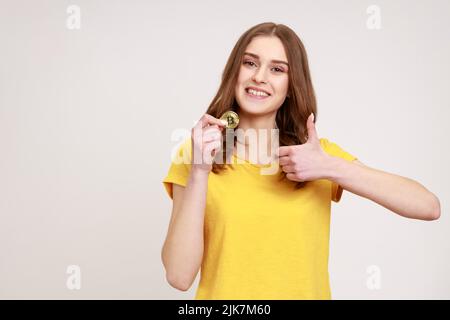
280	70
251	63
248	62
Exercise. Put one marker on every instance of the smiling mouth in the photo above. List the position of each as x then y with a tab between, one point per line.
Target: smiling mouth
256	94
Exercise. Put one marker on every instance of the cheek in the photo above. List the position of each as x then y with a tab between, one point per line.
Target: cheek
282	85
244	77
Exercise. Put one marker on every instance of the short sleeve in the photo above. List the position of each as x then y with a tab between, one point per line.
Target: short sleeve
179	168
335	150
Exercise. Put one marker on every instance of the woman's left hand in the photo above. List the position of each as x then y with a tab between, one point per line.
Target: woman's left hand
305	162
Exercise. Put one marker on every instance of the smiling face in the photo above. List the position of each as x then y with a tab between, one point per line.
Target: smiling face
263	69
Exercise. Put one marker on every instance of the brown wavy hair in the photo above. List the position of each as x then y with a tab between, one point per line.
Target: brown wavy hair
292	115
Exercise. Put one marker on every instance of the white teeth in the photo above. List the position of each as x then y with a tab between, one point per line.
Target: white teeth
257	93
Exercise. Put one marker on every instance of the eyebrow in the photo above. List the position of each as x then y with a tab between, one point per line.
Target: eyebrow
257	57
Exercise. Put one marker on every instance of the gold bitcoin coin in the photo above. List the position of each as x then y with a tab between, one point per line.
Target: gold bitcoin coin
231	118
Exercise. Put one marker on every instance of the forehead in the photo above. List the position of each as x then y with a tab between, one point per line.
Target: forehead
267	48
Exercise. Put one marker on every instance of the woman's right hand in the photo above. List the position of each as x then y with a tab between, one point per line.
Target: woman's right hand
206	139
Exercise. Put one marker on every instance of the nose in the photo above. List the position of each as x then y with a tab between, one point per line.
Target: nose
259	76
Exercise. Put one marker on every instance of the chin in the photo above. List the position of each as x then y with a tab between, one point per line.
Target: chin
256	107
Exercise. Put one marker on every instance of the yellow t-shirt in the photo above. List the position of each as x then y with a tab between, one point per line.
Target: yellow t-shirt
263	239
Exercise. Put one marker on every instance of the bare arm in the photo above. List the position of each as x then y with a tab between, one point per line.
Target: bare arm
182	251
401	195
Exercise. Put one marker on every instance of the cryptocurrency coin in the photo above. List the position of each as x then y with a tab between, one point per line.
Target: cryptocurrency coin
231	118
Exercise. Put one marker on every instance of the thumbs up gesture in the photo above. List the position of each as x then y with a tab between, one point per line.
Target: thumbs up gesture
305	162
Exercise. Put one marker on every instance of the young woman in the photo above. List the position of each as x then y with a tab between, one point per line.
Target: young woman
266	236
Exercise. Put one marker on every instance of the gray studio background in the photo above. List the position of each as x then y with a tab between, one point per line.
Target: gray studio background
87	116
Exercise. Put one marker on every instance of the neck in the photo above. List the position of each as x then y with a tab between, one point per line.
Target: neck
264	122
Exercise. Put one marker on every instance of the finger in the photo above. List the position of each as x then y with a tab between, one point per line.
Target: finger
213	136
217	146
312	132
288	169
284	151
208	119
285	160
293	177
212	128
211	148
200	133
215	126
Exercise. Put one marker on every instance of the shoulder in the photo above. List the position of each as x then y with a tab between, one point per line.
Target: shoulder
333	149
327	145
182	151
